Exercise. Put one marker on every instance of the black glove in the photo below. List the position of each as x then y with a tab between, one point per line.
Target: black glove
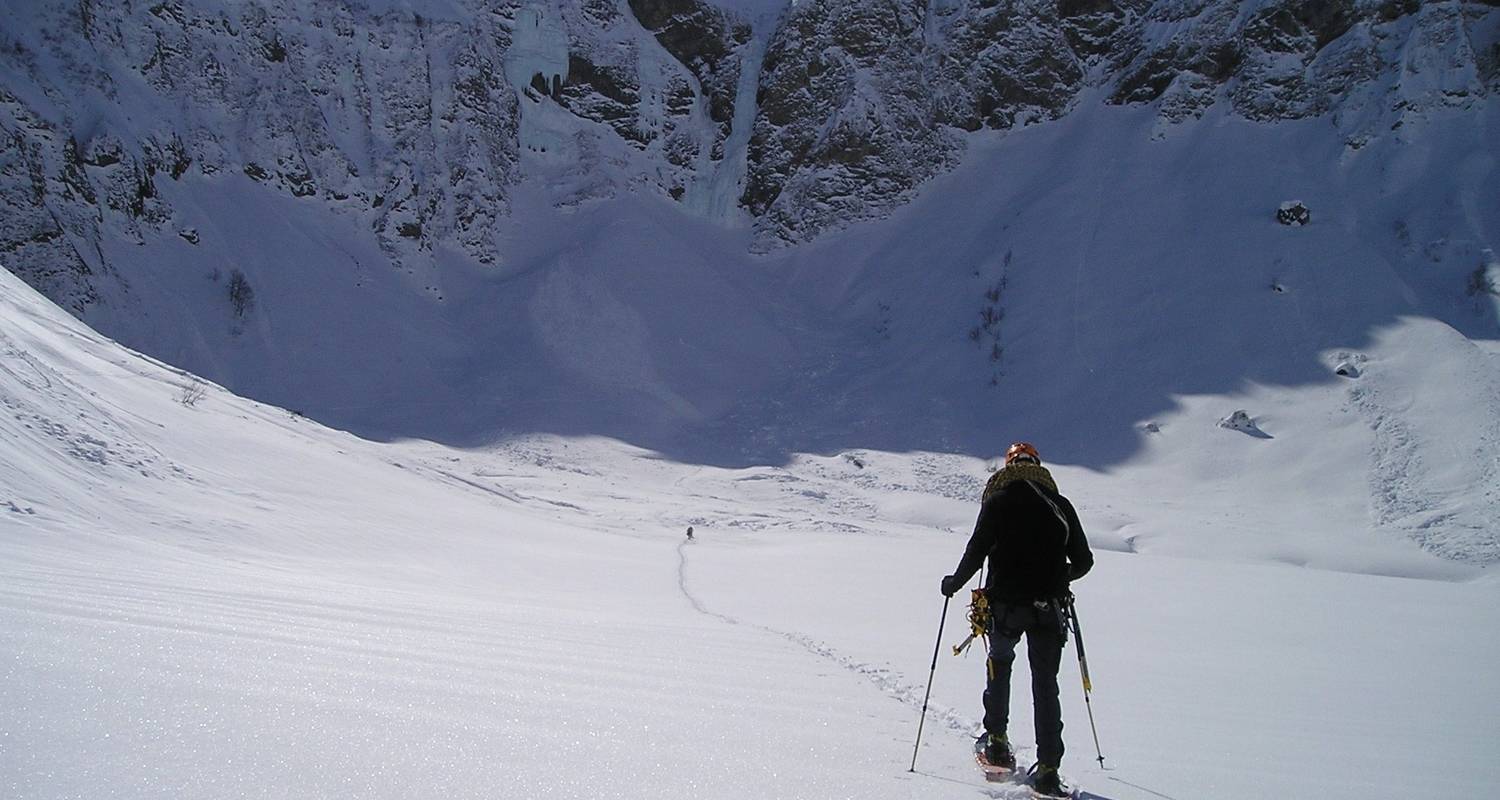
951	585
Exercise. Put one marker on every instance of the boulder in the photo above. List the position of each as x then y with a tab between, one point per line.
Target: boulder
1241	421
1293	212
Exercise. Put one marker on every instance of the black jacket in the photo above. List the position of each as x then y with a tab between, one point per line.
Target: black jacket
1033	540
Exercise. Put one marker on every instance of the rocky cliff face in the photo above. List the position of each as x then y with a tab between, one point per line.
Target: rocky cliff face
859	99
848	122
710	44
662	75
404	120
1288	60
423	126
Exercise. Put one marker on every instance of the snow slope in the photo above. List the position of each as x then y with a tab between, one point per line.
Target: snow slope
1142	291
1111	295
221	599
1106	284
202	596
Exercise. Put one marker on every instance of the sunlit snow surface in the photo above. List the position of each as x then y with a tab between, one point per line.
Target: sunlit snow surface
207	597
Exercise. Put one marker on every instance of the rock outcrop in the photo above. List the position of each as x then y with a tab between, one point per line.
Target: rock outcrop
710	44
418	126
395	117
1293	59
847	124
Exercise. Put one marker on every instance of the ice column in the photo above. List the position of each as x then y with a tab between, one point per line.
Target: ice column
539	47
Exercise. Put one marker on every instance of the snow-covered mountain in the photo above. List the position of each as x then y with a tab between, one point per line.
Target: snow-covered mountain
452	221
411	118
731	232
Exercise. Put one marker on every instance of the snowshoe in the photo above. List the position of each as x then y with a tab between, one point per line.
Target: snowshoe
995	757
1046	783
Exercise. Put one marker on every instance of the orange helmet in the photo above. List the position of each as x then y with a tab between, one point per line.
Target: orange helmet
1022	450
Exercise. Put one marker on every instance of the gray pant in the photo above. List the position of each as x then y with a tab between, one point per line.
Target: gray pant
1045	636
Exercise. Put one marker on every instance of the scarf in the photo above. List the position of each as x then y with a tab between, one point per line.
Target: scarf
1020	471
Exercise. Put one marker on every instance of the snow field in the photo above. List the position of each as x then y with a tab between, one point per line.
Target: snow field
299	612
247	604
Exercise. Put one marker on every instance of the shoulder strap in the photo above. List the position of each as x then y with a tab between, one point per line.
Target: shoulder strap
1056	512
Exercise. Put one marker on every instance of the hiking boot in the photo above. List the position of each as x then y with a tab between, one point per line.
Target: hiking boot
1046	782
997	751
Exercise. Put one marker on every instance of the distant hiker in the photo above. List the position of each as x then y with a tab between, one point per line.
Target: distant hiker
690	533
1035	545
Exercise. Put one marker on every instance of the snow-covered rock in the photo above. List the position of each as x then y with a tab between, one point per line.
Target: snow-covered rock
412	121
847	124
401	119
1293	212
1239	420
710	43
416	121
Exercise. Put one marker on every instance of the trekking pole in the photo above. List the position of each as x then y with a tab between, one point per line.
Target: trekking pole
933	671
1083	668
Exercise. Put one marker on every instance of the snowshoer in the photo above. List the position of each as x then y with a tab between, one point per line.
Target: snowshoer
690	533
1035	545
